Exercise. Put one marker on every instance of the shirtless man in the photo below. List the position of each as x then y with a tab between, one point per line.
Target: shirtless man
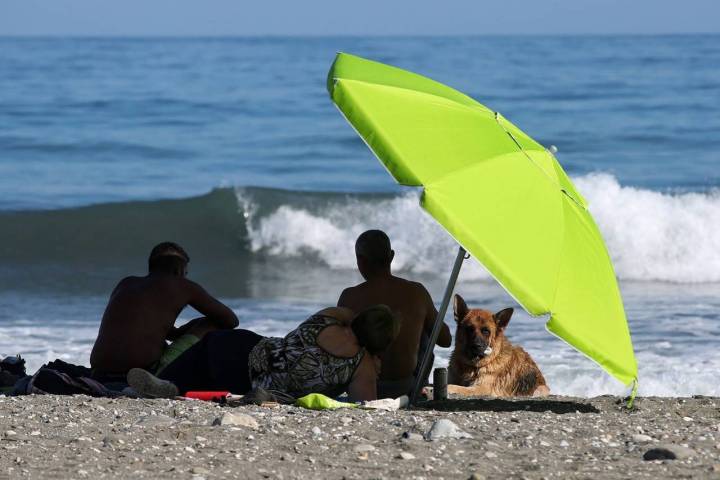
409	300
141	313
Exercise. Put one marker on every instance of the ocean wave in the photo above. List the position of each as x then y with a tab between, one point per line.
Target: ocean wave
328	232
656	236
650	235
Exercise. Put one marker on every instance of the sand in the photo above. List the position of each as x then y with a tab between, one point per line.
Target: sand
82	437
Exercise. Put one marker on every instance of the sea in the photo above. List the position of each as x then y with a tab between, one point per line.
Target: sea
231	147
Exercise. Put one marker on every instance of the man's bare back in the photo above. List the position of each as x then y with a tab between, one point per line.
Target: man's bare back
410	300
141	314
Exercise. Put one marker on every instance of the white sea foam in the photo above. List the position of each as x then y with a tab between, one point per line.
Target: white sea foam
570	373
330	232
655	236
675	335
42	344
650	235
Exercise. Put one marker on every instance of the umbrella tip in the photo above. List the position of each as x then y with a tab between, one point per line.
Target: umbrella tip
553	149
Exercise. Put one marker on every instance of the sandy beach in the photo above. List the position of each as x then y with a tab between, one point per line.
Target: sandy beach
560	437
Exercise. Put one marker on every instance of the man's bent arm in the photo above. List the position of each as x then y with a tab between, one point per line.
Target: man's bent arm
212	308
177	332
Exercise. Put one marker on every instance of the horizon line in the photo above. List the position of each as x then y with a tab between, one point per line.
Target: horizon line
342	35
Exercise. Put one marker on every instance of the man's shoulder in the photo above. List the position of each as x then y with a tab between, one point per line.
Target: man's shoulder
412	285
186	285
355	288
164	283
128	281
352	297
180	289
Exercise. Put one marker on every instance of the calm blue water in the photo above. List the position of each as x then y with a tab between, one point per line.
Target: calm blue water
99	120
232	147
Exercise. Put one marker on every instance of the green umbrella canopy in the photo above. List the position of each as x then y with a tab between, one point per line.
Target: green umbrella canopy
500	194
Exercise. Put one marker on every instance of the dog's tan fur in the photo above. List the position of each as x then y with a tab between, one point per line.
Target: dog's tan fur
505	372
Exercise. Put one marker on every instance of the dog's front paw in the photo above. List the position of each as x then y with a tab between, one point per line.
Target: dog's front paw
458	390
453	388
541	391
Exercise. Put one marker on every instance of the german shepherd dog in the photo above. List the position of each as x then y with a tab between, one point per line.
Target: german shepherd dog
484	362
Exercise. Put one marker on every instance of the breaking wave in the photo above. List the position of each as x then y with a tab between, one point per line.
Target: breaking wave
651	236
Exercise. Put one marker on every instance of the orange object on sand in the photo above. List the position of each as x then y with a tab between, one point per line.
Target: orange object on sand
208	396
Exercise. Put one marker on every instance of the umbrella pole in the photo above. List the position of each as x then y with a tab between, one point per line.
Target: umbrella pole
425	365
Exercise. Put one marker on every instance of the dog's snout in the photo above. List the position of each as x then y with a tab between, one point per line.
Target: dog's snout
480	344
478	348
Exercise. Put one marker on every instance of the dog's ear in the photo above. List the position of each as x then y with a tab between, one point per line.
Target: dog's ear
502	318
459	307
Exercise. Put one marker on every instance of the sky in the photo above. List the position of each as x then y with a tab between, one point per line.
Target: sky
361	17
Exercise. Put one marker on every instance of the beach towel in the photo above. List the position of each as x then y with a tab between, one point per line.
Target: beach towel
62	378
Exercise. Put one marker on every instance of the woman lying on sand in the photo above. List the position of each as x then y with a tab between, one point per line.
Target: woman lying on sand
332	352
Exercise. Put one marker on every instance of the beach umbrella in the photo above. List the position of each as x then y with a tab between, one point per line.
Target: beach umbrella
501	195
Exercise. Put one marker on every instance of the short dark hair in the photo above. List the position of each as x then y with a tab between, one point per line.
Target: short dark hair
375	328
374	245
167	257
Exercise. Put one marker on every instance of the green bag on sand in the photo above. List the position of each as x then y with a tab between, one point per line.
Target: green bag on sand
318	401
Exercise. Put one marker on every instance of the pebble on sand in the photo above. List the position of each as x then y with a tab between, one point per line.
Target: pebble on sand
155	421
445	428
641	438
669	452
236	419
364	447
412	437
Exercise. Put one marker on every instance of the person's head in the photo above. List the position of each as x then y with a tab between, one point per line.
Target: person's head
168	257
375	328
373	252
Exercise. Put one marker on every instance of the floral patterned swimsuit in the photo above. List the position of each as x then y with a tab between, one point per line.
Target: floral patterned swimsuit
297	365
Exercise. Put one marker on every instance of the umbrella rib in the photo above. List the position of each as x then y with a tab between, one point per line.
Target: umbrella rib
520	147
535	163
